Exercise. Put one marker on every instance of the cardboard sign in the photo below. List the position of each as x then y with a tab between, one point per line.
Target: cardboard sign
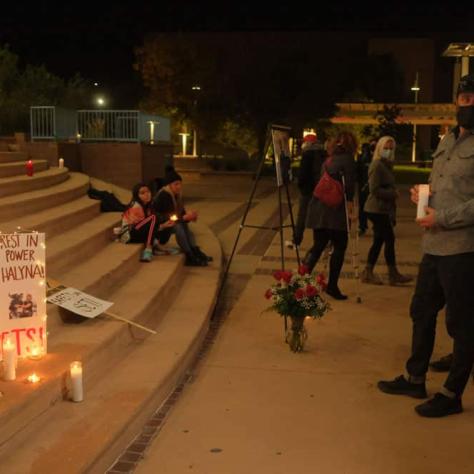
78	302
23	290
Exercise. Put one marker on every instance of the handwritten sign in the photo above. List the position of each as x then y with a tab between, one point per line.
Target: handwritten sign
22	290
78	302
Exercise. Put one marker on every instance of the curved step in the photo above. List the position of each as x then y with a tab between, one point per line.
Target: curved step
71	186
25	184
12	156
18	169
127	375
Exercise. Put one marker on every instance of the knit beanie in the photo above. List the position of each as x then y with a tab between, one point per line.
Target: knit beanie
171	175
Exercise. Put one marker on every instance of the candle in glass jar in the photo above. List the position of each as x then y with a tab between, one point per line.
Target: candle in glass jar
174	218
29	168
9	360
76	381
36	351
423	197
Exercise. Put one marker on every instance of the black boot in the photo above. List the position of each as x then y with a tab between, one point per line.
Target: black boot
193	260
443	364
200	254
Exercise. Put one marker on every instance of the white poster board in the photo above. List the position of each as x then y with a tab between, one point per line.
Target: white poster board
78	302
281	151
23	290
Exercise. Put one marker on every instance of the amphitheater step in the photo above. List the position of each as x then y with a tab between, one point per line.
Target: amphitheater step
70	248
127	373
18	169
13	156
28	202
24	184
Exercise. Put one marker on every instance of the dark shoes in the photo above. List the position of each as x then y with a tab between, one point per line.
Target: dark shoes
443	364
401	386
194	261
335	293
396	278
201	255
440	405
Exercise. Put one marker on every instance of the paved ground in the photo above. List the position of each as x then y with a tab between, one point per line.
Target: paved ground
252	406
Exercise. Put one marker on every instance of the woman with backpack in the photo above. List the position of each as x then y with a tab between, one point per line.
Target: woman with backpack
327	217
140	224
380	208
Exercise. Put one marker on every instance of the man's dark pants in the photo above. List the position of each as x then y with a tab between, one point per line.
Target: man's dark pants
444	280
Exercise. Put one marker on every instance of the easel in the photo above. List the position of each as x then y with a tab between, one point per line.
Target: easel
282	176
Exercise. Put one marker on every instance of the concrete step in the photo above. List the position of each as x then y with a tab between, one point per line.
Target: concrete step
25	184
16	207
13	156
57	219
121	390
72	247
18	169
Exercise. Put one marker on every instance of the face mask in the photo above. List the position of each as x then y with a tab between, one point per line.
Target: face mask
386	153
465	116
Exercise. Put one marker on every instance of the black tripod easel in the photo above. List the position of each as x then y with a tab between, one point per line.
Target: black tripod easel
283	179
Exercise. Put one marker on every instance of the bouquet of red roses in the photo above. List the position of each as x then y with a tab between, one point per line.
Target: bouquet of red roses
297	295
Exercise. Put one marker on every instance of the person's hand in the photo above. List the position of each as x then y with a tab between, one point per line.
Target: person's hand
414	194
167	224
428	221
190	216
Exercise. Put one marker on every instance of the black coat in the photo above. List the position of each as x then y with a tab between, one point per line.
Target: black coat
311	160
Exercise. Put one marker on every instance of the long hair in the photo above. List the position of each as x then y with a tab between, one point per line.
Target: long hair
343	142
379	147
136	198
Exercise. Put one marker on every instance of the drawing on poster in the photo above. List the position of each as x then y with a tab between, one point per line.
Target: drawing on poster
21	307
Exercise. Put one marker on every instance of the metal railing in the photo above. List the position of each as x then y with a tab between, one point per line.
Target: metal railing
108	125
43	122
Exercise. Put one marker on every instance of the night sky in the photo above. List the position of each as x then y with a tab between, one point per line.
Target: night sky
96	39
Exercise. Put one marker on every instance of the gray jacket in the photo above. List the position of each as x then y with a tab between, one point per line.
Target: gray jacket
320	216
382	189
452	187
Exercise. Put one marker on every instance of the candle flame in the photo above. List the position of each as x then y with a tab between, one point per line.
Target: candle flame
33	378
174	217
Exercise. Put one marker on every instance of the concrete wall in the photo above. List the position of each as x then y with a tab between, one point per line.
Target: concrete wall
154	160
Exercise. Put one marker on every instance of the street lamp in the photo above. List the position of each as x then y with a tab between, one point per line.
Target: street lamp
196	88
100	101
152	124
184	138
415	88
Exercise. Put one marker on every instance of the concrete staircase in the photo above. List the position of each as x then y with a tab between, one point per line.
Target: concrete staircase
128	372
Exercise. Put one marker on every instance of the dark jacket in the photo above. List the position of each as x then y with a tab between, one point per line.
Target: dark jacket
321	216
165	204
311	160
382	191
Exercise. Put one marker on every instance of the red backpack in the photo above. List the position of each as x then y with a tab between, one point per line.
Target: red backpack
329	190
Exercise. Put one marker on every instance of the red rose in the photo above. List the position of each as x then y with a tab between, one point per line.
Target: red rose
278	275
286	276
320	279
299	294
268	294
303	269
311	290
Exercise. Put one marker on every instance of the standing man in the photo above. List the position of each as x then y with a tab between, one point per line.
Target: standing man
446	271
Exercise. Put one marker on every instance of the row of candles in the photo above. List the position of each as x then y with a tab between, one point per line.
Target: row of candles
30	169
10	360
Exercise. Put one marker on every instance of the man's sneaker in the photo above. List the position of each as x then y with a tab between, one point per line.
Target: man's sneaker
401	386
443	364
440	405
289	244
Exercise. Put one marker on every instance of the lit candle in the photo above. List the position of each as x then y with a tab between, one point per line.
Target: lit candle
423	197
33	378
36	351
61	162
174	217
9	360
29	168
76	382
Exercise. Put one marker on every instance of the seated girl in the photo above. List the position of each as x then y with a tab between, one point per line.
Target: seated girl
168	202
140	224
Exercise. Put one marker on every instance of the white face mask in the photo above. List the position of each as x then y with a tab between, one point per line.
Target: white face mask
386	153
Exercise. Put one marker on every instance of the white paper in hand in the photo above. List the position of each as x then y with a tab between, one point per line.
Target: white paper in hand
423	197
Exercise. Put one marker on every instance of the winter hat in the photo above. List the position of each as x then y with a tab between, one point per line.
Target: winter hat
466	84
171	175
310	138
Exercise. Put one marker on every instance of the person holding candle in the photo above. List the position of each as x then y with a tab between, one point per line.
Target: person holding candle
446	271
169	202
140	224
380	208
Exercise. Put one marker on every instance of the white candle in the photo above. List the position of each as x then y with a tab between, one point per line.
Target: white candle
9	360
423	197
174	217
76	382
61	162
